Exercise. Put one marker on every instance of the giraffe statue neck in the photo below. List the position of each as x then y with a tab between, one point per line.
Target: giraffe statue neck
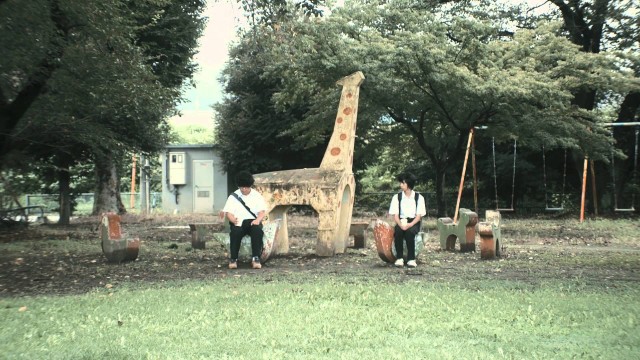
339	153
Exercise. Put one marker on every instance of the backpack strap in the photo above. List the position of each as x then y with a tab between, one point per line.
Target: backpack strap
243	204
417	196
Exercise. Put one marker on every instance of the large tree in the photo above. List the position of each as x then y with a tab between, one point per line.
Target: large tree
106	75
166	33
251	133
609	26
436	77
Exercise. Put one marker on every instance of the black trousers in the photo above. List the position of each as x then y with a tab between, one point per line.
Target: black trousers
238	232
409	236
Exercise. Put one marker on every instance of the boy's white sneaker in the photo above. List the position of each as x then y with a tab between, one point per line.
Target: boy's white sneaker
399	263
411	263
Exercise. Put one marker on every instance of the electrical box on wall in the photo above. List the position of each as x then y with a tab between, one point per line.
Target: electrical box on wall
177	168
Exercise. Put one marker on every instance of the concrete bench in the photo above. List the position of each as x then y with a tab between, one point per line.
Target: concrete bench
490	235
270	229
116	247
464	231
200	232
383	235
359	232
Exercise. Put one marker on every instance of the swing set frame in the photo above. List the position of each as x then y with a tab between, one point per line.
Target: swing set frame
471	145
471	150
586	165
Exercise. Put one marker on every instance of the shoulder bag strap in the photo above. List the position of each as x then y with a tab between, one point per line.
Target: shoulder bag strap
243	204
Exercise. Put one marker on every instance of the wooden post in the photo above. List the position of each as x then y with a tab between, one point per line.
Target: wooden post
584	187
464	170
593	187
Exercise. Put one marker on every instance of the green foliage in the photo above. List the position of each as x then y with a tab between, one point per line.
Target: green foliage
272	12
168	32
420	77
251	132
192	134
112	72
100	97
437	76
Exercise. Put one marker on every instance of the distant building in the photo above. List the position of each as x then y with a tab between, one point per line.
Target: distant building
193	180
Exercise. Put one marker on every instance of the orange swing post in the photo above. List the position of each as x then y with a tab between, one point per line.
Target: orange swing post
464	171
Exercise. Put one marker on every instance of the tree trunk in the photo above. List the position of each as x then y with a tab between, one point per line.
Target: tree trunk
64	181
106	196
440	193
629	107
12	111
626	141
122	209
585	31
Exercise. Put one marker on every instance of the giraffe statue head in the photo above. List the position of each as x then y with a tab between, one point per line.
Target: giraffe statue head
339	153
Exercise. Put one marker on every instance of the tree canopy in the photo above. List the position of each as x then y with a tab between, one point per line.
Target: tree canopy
84	81
436	75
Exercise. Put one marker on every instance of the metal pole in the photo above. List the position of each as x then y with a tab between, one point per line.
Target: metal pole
132	197
143	187
147	191
593	188
622	124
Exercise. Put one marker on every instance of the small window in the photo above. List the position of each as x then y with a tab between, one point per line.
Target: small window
203	194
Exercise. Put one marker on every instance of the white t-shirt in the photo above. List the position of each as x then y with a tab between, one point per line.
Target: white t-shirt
253	200
408	206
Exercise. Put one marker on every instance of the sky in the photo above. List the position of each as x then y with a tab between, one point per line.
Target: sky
219	33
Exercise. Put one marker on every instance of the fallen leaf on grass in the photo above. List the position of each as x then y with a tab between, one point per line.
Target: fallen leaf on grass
22	309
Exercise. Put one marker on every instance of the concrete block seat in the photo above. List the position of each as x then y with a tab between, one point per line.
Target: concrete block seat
490	235
201	232
116	246
463	231
270	229
359	231
383	235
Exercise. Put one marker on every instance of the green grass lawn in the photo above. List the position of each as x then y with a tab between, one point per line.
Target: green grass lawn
562	290
296	317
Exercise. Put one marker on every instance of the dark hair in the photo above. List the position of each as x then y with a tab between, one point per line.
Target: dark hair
244	179
408	178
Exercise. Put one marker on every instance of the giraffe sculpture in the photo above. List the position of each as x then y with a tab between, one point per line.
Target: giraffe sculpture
329	189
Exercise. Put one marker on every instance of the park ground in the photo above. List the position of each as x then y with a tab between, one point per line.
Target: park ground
49	259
